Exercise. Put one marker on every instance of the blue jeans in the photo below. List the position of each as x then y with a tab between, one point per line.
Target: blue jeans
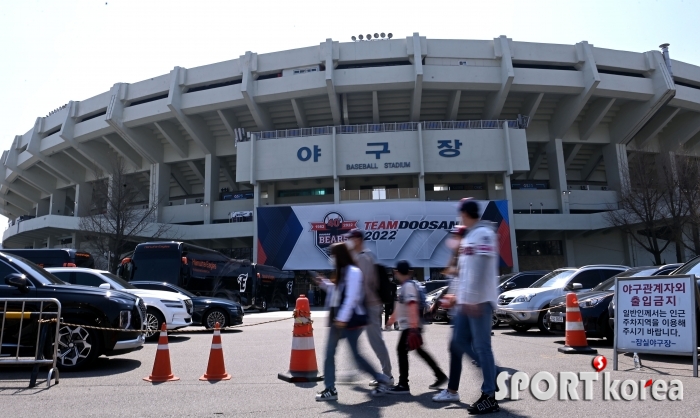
472	336
352	335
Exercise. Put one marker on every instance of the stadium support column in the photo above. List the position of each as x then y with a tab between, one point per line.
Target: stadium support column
557	173
43	207
160	189
58	202
336	180
615	157
83	199
509	197
569	251
421	176
211	186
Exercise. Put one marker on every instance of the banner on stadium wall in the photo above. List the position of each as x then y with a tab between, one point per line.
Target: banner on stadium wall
299	237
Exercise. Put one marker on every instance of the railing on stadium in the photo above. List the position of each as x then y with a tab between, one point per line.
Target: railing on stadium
393	127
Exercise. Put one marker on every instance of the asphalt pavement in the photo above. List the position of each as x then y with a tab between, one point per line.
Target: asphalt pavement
255	355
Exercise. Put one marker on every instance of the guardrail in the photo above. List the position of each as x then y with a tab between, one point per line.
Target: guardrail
17	316
520	123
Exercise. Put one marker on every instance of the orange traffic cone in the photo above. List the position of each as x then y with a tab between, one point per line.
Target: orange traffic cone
576	342
302	365
216	369
161	368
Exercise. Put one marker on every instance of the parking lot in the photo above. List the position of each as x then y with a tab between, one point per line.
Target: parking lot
254	355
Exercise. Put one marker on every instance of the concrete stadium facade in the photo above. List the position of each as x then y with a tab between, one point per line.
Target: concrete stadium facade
546	127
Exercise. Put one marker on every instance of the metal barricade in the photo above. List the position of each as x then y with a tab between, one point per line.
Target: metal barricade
30	311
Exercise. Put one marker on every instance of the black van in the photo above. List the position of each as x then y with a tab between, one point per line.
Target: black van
55	257
206	272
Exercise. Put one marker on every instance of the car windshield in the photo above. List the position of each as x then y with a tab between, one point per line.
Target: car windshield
118	282
38	273
178	289
502	278
691	267
557	278
610	283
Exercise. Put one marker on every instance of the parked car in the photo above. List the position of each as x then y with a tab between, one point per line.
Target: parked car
512	281
432	285
207	311
523	308
594	304
432	302
173	309
691	267
83	306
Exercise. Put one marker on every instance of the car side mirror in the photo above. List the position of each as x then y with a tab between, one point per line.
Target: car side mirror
17	280
576	286
105	286
510	285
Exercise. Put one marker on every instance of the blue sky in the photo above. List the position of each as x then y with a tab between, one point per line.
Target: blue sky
56	51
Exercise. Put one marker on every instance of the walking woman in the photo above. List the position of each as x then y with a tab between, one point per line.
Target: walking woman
347	316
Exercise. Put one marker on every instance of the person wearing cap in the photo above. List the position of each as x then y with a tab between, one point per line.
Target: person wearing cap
474	293
407	315
365	262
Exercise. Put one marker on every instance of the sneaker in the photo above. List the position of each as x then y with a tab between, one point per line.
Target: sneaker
446	396
399	390
374	383
439	383
485	405
329	394
380	390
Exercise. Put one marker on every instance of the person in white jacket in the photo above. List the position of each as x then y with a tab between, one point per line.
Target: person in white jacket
347	317
473	293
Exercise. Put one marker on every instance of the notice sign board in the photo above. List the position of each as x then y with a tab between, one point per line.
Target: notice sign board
656	315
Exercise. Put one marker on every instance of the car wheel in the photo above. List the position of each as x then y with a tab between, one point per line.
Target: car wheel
284	306
520	328
540	322
494	321
78	347
214	316
263	306
154	320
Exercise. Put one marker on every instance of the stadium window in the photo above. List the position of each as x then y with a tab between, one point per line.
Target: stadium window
379	193
441	188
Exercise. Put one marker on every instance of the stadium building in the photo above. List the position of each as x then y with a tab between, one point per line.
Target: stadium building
273	156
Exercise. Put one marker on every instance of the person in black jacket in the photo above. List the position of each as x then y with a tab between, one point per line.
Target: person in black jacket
389	307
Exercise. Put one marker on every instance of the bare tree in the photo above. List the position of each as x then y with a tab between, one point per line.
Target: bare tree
120	213
688	172
641	211
670	168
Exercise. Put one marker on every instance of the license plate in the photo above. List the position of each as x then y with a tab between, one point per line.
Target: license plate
500	312
556	318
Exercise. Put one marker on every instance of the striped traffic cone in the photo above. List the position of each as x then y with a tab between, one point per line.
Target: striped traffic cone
302	365
216	369
161	368
576	342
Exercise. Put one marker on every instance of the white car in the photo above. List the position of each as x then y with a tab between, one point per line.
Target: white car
523	308
172	308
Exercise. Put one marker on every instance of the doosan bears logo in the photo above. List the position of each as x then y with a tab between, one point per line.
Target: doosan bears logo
331	230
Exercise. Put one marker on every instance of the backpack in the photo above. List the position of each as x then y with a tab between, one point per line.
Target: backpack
386	287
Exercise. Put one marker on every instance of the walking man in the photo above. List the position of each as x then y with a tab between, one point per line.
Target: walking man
407	315
474	293
365	261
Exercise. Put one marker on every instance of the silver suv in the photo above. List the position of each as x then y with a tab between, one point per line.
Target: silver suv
522	308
